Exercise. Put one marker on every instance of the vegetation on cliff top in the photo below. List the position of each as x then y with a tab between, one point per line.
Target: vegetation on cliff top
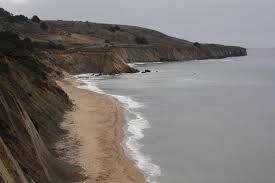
12	45
31	108
33	53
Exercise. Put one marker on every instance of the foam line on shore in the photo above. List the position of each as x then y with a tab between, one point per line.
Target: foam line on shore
133	130
134	64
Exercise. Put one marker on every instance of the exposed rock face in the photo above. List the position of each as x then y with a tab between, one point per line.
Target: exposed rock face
85	62
89	46
161	53
31	108
34	54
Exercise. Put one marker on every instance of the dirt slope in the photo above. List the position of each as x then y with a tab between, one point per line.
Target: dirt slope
34	53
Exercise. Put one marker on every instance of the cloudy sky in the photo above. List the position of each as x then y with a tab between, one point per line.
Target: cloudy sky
248	23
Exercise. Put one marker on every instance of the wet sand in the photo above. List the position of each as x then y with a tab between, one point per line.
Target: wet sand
96	124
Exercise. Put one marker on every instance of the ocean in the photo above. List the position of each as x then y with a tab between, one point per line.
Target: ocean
207	121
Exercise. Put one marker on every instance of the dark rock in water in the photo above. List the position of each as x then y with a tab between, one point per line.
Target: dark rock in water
146	70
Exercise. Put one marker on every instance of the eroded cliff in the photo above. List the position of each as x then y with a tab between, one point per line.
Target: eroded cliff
80	47
34	53
31	108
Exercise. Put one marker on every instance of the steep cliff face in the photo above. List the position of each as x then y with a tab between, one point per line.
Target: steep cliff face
31	108
93	47
87	62
32	105
166	54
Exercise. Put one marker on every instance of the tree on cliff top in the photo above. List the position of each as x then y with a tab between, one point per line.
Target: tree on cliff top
12	45
36	19
198	45
4	13
141	40
115	28
12	18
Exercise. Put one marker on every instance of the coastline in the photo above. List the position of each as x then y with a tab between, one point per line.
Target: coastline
96	124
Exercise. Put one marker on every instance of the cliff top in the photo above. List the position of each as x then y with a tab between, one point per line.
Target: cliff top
75	34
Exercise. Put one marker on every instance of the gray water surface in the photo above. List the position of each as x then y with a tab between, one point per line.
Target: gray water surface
212	121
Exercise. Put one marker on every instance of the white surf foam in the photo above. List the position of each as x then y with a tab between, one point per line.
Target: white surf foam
143	63
127	102
84	81
139	63
133	130
227	60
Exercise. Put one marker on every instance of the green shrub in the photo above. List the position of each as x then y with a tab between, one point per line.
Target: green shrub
44	26
4	13
115	28
36	19
198	45
4	67
12	45
141	40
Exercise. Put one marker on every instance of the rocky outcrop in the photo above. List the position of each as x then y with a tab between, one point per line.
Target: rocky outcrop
31	108
92	62
93	47
165	53
34	53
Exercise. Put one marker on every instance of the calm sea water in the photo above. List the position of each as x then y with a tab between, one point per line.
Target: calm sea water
210	121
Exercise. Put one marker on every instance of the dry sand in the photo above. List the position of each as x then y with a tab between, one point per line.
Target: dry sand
97	123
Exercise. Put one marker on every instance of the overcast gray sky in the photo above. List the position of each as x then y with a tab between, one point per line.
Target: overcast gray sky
249	23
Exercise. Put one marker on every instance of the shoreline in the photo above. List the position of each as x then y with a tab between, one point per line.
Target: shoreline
96	124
